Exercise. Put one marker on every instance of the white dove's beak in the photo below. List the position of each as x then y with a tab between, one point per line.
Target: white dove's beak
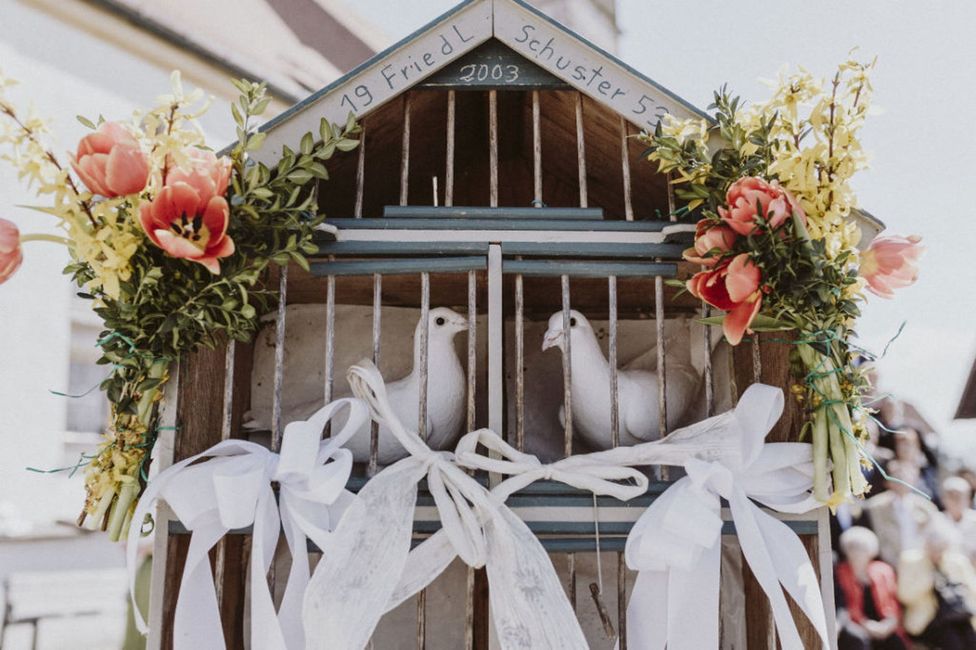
553	338
461	323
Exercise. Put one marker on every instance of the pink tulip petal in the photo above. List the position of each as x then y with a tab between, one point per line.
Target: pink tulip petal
225	248
177	246
90	170
176	200
216	218
149	224
737	321
126	170
743	278
211	263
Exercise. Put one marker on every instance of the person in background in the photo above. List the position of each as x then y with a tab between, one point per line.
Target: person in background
937	586
868	613
957	496
899	514
910	449
970	477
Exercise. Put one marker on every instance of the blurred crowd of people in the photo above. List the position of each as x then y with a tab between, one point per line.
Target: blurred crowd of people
905	569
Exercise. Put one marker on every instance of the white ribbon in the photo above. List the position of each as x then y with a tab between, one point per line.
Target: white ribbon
433	556
232	490
676	543
369	568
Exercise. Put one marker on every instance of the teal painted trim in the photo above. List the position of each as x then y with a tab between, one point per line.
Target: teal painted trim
399	248
294	110
588	269
565	225
680	100
610	532
400	266
559	249
479	212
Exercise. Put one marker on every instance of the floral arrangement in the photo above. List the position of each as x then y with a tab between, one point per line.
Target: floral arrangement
778	237
170	242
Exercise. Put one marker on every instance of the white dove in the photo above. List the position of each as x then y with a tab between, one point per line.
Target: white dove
445	394
637	388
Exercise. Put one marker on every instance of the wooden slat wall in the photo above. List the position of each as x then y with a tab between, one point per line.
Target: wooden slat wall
775	371
199	417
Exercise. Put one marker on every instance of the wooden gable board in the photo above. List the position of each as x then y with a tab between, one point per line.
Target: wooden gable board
535	36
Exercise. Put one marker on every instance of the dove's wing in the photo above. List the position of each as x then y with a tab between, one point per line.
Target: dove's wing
638	404
646	360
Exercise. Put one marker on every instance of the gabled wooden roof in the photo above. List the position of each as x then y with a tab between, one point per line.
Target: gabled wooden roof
605	79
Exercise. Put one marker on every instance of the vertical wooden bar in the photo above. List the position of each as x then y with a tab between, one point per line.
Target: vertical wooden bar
493	147
422	425
625	168
615	441
536	150
405	152
374	431
567	369
279	360
581	152
519	363
469	587
472	348
449	162
496	359
424	347
360	175
330	289
160	577
615	417
612	354
220	552
709	375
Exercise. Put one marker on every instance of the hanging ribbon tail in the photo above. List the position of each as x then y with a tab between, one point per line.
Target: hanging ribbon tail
352	584
777	556
194	501
676	548
529	607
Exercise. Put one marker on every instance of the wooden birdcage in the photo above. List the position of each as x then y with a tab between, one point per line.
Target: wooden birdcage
498	175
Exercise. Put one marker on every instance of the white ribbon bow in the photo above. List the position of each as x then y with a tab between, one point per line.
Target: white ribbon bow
232	490
369	568
676	543
433	556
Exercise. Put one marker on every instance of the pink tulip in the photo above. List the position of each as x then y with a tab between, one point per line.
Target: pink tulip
710	238
734	287
203	171
751	197
110	162
11	254
189	225
891	263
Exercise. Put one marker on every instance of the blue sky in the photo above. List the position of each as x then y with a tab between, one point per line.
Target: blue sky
922	149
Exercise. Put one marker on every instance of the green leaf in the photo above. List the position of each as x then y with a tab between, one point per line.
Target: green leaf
308	143
86	122
255	141
346	145
236	113
759	324
325	130
300	176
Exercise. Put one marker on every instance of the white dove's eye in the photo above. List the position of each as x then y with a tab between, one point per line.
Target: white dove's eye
572	322
440	320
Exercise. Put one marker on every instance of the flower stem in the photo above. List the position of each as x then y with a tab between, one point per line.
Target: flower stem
54	239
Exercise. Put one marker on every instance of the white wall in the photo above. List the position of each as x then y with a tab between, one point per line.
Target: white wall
64	72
